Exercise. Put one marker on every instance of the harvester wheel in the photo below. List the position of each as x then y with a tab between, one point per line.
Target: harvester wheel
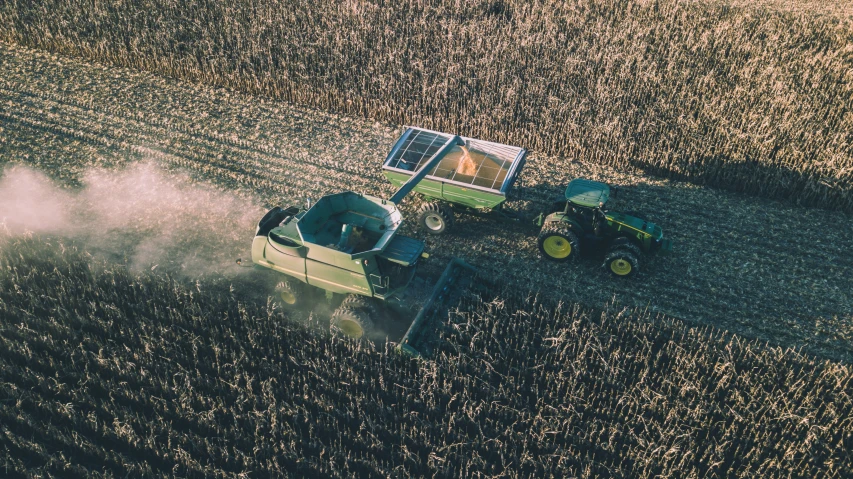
358	302
558	243
289	292
622	262
435	218
351	322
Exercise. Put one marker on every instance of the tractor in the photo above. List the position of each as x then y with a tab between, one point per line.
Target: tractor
581	221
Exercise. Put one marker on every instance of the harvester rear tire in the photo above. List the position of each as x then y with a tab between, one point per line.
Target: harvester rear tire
435	218
622	263
289	292
557	242
352	323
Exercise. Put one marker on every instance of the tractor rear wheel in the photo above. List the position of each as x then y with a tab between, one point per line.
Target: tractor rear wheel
353	323
558	243
435	218
622	262
290	292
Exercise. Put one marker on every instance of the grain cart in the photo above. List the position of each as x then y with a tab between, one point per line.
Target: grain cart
346	244
582	221
475	178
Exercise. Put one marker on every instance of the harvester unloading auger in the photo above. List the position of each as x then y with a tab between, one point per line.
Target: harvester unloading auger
347	244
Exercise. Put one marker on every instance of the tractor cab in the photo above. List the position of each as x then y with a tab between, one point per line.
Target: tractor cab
584	201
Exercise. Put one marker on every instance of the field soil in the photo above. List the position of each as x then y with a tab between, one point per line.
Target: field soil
763	269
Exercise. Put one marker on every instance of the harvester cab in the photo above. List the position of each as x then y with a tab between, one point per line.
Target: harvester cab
348	244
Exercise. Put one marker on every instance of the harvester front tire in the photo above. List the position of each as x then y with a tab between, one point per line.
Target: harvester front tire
558	243
435	218
358	302
352	323
289	292
622	263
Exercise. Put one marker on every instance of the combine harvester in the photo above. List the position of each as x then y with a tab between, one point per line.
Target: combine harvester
347	244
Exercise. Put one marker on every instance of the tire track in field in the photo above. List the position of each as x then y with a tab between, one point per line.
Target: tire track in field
756	267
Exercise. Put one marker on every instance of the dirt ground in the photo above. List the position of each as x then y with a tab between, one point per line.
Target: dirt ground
763	269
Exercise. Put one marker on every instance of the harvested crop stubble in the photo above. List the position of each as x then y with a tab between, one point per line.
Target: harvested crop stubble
760	268
109	374
751	99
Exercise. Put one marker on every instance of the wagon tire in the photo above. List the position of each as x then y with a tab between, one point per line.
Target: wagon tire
435	218
557	242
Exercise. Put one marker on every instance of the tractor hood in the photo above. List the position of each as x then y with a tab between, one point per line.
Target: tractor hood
646	227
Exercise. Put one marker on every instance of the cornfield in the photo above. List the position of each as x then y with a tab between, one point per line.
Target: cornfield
752	100
738	266
114	374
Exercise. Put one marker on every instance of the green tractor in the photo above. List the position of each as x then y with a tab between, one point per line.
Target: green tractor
581	221
346	245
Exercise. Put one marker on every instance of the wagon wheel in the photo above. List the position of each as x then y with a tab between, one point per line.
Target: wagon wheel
290	292
622	262
558	243
435	218
353	323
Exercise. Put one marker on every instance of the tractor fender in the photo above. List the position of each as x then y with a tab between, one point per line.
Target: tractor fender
560	217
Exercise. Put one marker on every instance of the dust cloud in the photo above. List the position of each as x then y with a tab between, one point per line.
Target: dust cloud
143	216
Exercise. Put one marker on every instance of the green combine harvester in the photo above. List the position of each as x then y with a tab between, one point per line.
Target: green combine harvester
475	177
347	245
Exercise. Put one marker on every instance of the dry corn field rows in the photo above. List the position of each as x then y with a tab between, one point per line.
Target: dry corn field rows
120	375
764	269
750	99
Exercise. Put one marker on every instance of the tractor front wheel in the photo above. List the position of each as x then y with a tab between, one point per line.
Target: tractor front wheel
351	322
622	263
435	218
558	243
